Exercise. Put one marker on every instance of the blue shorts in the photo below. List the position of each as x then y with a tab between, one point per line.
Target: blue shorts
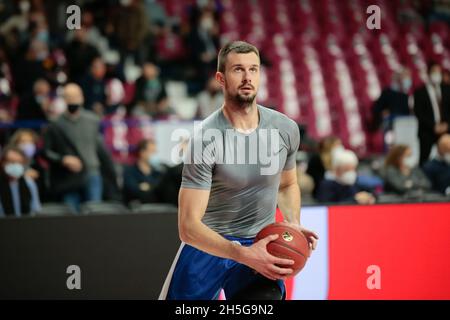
201	276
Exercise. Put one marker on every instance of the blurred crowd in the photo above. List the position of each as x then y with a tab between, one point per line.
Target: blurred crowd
59	86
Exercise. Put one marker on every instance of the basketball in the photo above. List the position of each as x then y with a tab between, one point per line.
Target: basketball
290	244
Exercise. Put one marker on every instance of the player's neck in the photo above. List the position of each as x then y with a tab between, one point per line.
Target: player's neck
242	119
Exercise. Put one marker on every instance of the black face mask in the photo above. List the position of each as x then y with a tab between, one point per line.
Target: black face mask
72	108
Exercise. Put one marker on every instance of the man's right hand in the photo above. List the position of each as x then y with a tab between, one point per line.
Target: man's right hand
259	259
441	128
72	163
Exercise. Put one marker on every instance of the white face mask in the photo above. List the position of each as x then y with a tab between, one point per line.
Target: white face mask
348	178
409	162
14	170
436	78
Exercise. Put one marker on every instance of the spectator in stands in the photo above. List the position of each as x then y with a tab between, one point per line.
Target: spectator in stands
35	106
27	141
210	99
170	51
432	109
129	27
90	34
18	192
402	174
30	67
80	54
163	110
149	87
74	147
438	169
203	42
94	87
339	184
115	94
320	162
141	179
393	101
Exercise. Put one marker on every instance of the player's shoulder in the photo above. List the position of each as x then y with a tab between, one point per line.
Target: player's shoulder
212	121
279	120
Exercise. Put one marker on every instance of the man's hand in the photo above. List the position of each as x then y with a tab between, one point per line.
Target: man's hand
31	173
364	198
311	236
259	259
72	163
441	128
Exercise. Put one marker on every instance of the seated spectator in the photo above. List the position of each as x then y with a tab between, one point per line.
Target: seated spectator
210	99
149	88
401	174
80	54
115	94
141	179
321	162
339	184
163	110
94	85
35	106
438	169
28	141
18	193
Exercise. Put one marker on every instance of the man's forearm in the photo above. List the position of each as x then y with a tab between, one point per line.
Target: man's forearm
289	203
204	238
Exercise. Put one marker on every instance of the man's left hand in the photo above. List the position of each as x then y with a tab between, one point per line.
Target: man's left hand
311	236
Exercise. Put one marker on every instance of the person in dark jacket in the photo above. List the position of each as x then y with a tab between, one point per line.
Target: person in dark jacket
141	179
74	147
438	169
432	109
339	184
18	193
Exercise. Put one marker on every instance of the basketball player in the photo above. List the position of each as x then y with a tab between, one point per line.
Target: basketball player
224	203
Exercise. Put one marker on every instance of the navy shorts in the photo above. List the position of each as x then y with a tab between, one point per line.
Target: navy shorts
201	276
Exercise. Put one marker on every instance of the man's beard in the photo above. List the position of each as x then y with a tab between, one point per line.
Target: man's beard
244	101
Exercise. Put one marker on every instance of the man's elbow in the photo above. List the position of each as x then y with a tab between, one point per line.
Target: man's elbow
186	232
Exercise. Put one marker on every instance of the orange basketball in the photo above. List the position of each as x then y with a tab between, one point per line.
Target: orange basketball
290	244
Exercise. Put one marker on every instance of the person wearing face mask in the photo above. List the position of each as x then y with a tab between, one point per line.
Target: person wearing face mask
438	169
18	193
141	179
393	101
401	173
27	140
432	109
203	44
339	184
74	147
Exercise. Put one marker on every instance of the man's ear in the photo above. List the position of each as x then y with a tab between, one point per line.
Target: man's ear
220	77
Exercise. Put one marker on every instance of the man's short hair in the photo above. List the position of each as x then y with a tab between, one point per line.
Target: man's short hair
237	47
343	158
